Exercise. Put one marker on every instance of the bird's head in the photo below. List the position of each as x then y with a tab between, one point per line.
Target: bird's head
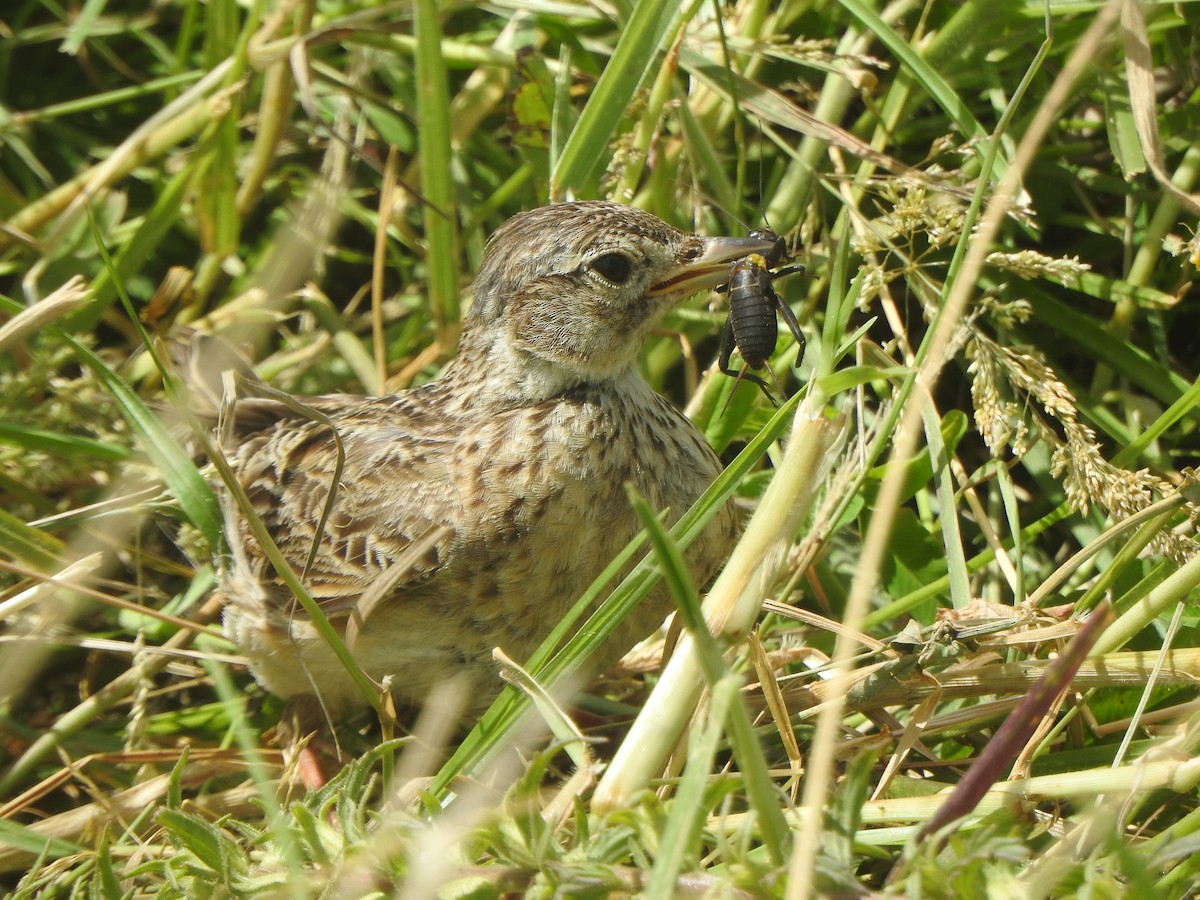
566	293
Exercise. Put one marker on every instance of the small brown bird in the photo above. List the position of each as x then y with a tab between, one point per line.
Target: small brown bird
520	453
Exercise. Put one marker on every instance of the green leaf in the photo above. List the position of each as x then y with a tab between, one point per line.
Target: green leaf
107	880
194	835
24	838
1122	131
915	557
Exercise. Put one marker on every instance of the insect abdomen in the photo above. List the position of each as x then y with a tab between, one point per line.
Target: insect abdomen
752	310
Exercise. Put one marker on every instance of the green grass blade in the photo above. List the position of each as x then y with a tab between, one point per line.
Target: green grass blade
437	183
641	40
29	545
72	446
689	811
183	479
24	838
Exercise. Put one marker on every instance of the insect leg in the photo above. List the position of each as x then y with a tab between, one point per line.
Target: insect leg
789	319
726	351
794	269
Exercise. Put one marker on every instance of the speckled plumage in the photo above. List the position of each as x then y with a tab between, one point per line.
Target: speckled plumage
522	449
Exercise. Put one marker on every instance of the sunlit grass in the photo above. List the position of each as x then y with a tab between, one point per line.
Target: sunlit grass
997	389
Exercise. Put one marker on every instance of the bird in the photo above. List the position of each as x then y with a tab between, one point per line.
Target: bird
511	467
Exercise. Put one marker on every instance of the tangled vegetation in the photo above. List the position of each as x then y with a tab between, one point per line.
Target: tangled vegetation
970	557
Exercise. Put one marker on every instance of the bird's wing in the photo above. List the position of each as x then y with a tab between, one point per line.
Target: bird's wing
394	473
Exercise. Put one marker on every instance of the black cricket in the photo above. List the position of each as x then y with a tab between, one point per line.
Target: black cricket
753	304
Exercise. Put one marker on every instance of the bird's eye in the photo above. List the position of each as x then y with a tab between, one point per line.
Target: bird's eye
613	267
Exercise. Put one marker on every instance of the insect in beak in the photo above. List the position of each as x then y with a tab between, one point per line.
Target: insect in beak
709	268
753	303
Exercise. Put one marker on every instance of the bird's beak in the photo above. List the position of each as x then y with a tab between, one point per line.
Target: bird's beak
710	268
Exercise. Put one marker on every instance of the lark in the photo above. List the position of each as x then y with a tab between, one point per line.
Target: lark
516	460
